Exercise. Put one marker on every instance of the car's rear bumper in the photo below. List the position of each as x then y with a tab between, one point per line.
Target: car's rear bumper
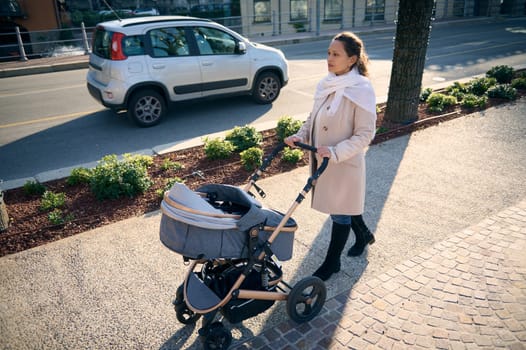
96	93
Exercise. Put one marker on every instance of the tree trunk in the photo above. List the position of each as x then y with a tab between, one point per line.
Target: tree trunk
412	36
4	218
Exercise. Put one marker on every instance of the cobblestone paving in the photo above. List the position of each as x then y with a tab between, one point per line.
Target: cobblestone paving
467	292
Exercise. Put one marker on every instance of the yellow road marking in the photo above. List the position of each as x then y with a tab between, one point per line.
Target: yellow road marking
47	119
41	91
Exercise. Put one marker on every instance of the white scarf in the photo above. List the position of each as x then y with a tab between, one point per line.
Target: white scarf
352	85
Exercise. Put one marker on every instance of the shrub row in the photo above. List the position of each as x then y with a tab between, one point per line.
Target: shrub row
247	142
499	82
114	178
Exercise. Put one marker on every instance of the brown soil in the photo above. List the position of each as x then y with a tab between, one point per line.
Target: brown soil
30	227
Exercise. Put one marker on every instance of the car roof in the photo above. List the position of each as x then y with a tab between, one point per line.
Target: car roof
135	21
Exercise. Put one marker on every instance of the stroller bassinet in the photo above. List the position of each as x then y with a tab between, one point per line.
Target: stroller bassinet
214	221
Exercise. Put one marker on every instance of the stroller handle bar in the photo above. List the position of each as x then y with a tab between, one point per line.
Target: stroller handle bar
268	160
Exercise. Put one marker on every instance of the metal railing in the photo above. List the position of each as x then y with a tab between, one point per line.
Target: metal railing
49	43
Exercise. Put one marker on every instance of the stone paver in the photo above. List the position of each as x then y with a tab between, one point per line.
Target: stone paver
466	292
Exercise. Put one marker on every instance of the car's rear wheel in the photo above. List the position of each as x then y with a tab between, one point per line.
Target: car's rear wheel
146	108
267	87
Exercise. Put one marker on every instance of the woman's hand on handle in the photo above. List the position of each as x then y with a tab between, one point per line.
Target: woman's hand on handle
324	152
291	139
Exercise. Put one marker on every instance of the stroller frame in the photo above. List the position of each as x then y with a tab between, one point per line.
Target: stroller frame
304	300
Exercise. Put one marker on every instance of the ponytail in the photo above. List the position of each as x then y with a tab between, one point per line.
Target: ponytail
354	47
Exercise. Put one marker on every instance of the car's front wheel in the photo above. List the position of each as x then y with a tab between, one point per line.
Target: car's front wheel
146	108
267	87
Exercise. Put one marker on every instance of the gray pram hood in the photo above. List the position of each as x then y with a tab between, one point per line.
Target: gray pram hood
190	207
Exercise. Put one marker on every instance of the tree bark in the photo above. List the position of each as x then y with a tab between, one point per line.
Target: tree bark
4	218
412	36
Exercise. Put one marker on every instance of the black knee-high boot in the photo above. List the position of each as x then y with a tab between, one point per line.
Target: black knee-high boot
339	235
363	236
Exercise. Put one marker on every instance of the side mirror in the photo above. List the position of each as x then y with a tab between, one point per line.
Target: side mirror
241	48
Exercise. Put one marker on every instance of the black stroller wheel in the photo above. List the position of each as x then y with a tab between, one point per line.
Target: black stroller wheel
185	315
306	299
182	312
217	337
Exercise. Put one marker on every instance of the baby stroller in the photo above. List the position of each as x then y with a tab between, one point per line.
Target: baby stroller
234	247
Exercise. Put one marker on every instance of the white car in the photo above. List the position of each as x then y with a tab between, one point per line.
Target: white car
143	64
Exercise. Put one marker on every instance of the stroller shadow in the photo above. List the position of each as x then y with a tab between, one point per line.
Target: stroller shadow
187	337
179	339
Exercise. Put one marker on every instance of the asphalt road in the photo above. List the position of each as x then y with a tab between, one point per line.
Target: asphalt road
49	121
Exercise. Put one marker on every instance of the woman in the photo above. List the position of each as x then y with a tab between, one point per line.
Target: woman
341	125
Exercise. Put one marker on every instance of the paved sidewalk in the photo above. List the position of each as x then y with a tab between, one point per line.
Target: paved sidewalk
447	205
466	292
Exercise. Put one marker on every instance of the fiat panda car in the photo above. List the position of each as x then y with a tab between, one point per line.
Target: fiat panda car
142	64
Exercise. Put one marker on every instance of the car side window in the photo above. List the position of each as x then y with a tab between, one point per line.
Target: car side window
133	45
168	42
212	41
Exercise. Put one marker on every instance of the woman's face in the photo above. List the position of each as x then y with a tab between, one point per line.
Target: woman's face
337	60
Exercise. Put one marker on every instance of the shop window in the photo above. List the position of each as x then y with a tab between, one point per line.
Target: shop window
332	10
299	10
262	11
374	10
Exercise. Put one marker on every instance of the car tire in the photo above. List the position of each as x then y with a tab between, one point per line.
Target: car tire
267	87
146	108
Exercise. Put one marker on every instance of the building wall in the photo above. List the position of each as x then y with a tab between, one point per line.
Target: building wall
40	15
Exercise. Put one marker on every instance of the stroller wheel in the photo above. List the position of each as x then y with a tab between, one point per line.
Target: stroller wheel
306	299
179	295
182	312
217	337
185	315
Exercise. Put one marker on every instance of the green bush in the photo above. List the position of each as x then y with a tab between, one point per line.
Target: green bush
79	176
292	155
51	200
169	164
112	179
474	101
168	185
244	137
480	86
425	94
32	188
458	90
505	91
287	126
436	102
252	158
56	217
519	83
139	160
503	74
217	148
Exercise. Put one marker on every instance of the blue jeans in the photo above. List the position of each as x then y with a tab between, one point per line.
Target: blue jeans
341	219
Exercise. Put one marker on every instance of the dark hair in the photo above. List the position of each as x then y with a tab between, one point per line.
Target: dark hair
354	46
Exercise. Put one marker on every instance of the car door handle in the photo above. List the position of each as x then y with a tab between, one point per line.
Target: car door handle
207	63
158	66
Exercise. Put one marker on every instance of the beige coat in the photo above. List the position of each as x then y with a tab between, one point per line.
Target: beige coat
341	188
